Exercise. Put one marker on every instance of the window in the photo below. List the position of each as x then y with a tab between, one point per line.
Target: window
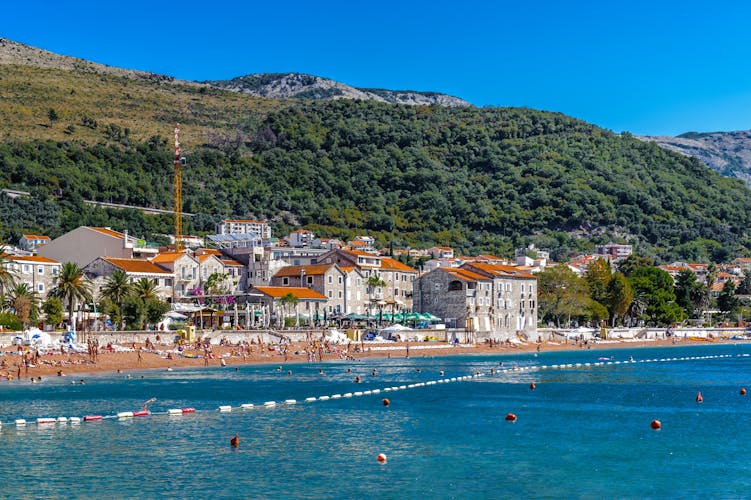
340	294
40	270
331	279
285	281
396	276
396	292
340	280
310	280
331	294
40	288
26	268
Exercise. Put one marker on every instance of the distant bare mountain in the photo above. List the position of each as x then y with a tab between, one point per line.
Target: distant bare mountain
297	85
729	153
25	55
271	85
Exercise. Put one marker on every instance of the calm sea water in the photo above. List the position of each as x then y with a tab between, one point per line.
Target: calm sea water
584	432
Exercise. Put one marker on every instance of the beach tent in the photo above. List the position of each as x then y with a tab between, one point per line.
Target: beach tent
36	337
396	328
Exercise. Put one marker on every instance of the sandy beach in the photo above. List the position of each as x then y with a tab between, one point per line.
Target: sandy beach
137	357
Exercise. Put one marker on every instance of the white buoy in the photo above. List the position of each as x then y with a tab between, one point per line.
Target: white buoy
75	420
290	401
324	398
336	396
62	420
20	422
247	406
225	408
347	395
358	393
269	403
125	414
310	399
174	411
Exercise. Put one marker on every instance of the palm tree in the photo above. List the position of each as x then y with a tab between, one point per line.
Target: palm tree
288	300
7	276
25	303
374	281
145	289
72	286
117	288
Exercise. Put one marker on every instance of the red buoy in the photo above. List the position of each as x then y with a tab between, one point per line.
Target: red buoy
381	458
235	441
532	386
699	397
656	424
386	402
743	391
511	417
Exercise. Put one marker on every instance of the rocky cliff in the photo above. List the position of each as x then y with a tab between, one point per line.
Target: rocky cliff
297	85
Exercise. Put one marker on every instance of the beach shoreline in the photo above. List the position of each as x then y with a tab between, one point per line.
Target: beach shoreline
135	357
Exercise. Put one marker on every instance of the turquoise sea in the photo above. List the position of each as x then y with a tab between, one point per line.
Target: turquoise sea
584	432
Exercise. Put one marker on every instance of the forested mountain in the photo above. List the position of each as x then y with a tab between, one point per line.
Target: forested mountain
478	179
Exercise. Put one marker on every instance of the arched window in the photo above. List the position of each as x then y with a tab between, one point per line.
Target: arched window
455	286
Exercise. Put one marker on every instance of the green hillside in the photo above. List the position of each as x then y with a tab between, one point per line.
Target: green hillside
478	179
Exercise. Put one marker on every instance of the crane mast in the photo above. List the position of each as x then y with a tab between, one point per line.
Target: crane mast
178	185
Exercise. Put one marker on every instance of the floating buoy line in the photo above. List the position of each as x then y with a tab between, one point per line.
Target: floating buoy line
172	412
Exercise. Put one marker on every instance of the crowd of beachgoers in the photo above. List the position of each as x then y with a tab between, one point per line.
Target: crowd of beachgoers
31	363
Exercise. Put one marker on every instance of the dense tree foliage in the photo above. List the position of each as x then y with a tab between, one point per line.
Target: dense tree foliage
480	180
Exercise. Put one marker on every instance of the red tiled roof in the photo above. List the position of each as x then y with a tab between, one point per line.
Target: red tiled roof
388	263
108	232
165	257
464	274
278	292
36	237
136	266
32	258
311	270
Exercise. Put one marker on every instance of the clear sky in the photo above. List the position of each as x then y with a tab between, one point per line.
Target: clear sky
647	67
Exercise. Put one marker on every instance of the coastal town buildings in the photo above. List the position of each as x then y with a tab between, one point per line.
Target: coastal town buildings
84	244
257	229
40	273
102	268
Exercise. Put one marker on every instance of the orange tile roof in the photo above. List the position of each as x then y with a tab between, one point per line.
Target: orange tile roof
108	232
33	258
230	262
136	266
35	237
390	264
464	274
203	257
501	270
166	257
278	292
311	270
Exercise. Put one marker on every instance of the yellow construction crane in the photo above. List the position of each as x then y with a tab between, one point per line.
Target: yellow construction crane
178	185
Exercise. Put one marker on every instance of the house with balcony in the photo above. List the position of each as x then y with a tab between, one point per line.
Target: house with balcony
184	270
32	242
336	284
251	228
395	294
102	268
40	273
309	305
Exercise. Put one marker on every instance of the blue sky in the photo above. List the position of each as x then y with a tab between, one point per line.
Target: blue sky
647	67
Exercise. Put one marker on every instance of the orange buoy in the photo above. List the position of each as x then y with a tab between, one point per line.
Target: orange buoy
743	391
656	424
699	397
235	441
511	417
381	458
386	402
532	386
